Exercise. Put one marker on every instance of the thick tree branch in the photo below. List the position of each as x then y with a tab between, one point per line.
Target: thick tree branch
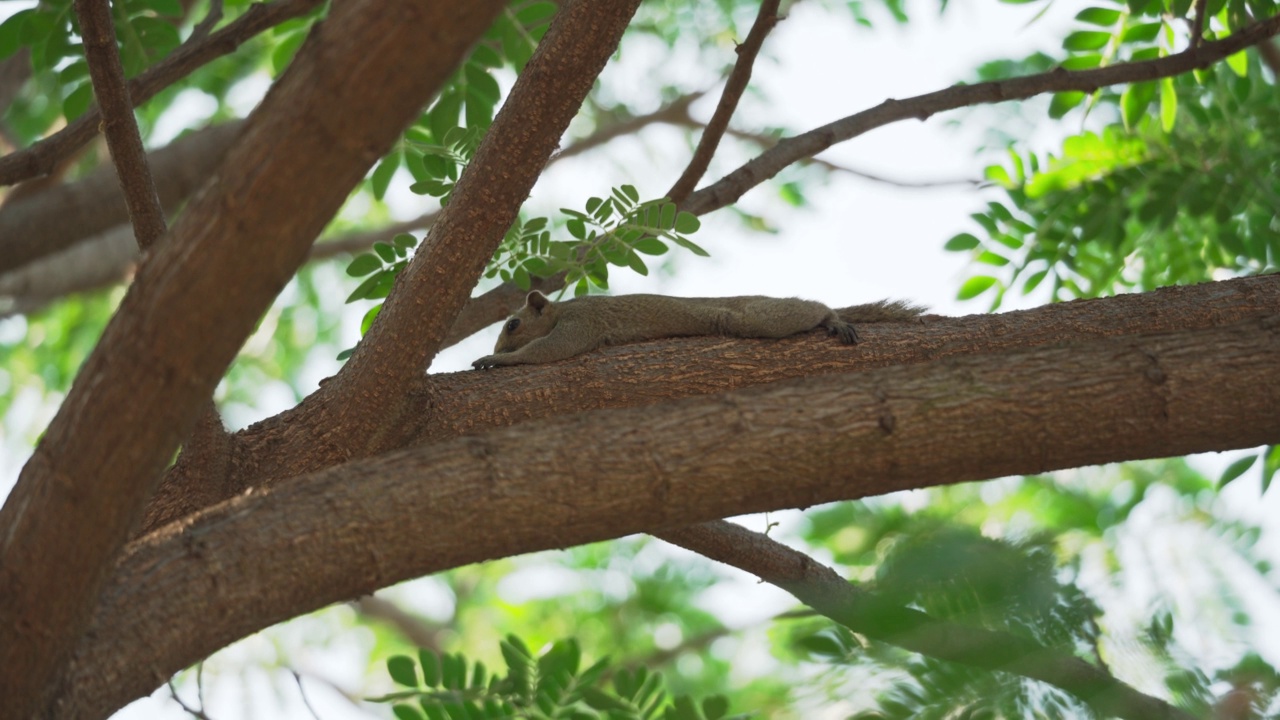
40	158
647	373
118	124
429	294
733	89
60	217
257	559
445	405
140	391
728	189
822	589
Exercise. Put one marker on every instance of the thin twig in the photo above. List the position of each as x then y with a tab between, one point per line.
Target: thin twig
1197	24
44	155
118	124
193	712
728	189
824	590
303	692
205	26
733	89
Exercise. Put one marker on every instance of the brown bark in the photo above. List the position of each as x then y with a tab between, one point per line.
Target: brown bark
262	557
339	107
362	410
55	219
43	156
98	35
444	405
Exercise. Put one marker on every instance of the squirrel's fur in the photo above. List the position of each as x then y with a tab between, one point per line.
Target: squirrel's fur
544	331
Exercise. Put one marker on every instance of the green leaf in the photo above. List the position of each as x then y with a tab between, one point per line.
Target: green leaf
536	13
631	193
1063	102
402	670
481	82
1270	464
430	668
1082	62
962	242
487	56
1239	63
651	246
691	246
715	707
1168	104
406	712
975	286
13	33
686	222
1143	33
1086	40
385	251
404	241
78	101
363	264
1034	281
284	52
365	289
383	173
1104	17
635	263
667	216
1134	101
366	322
1236	469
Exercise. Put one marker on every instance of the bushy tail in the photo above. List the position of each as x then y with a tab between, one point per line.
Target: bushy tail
882	311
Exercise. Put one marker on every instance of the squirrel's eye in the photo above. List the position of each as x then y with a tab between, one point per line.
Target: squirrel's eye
512	324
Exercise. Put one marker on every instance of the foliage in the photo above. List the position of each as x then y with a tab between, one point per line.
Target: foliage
550	685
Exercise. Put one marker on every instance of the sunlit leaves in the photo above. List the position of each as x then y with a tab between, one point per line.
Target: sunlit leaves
552	684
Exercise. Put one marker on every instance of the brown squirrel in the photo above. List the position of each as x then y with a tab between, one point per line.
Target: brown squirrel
544	331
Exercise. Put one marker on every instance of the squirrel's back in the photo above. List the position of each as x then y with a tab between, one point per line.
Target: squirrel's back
546	331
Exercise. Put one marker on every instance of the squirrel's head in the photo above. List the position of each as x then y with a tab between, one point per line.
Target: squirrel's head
534	320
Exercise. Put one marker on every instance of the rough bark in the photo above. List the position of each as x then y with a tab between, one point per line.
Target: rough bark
55	219
264	556
445	405
363	410
339	107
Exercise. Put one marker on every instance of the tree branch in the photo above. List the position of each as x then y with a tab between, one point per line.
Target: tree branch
57	218
196	585
141	389
1197	24
824	590
41	157
403	340
728	189
118	124
733	89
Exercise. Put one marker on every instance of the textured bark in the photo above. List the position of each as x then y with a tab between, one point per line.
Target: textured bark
444	405
55	219
364	410
262	557
341	104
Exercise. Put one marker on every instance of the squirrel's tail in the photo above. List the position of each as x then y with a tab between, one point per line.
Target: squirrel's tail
881	311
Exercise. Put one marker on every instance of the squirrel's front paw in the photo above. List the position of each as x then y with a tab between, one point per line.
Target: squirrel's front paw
488	361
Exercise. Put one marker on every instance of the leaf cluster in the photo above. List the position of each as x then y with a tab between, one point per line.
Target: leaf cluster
549	685
1143	207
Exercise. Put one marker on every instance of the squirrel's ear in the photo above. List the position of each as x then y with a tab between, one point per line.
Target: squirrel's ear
537	300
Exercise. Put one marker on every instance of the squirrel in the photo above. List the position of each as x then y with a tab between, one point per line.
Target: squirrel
544	331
